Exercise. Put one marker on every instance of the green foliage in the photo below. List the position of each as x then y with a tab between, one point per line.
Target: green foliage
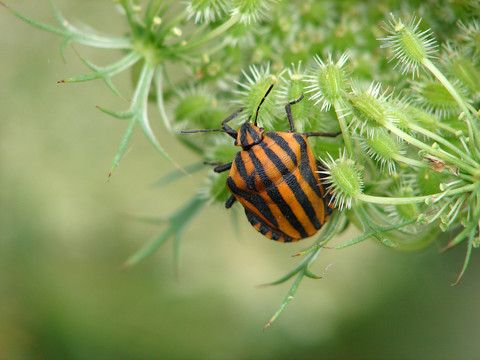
407	165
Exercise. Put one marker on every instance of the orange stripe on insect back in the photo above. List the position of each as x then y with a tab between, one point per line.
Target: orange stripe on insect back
281	153
316	201
282	223
271	170
298	157
250	170
286	192
284	198
298	210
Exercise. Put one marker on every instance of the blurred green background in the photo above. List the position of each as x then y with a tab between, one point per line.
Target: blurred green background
64	235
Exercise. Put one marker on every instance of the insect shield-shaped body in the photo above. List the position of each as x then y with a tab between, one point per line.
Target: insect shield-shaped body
275	178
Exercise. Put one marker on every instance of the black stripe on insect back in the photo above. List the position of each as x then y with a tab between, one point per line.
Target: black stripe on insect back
256	200
246	130
293	184
255	137
277	198
284	145
265	229
242	171
304	167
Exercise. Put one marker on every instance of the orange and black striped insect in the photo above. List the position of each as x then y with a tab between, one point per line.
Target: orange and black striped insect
275	177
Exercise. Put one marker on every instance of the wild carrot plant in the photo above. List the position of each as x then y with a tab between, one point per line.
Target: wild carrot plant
404	95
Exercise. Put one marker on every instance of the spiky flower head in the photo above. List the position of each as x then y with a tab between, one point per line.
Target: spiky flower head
470	35
400	213
370	109
433	97
252	93
198	107
328	81
292	88
410	46
463	66
402	112
251	10
383	147
206	11
344	180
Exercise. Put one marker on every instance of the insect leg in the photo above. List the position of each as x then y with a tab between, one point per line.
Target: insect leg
231	200
322	134
222	168
227	128
288	109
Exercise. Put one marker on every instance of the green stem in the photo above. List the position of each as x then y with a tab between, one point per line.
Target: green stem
445	127
164	30
441	140
473	130
442	155
408	161
212	34
422	165
371	233
412	199
129	14
343	127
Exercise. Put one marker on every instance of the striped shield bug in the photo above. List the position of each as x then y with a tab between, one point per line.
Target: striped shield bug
275	177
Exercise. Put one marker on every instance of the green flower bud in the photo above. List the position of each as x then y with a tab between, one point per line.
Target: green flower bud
206	11
370	110
344	180
383	147
254	90
251	10
328	81
410	47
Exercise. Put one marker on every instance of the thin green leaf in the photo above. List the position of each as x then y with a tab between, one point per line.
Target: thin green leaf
467	256
139	106
64	44
117	114
177	223
373	230
327	232
177	174
147	250
159	93
108	82
71	33
177	239
457	239
147	219
80	78
107	72
289	275
35	23
311	275
286	300
122	147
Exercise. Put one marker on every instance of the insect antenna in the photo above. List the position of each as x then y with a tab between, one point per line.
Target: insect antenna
261	102
203	130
